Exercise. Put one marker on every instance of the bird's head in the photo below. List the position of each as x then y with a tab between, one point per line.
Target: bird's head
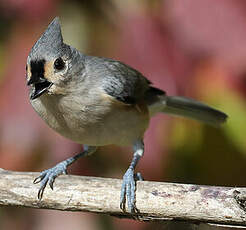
48	62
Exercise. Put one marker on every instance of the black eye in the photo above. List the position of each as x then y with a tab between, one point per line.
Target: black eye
59	64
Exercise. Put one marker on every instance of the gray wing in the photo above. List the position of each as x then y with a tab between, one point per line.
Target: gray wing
124	83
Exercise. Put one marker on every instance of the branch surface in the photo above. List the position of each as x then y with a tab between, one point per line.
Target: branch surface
154	200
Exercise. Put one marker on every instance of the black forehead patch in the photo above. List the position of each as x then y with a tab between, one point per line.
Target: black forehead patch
37	67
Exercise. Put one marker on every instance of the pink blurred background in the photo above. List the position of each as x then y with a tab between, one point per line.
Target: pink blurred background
190	48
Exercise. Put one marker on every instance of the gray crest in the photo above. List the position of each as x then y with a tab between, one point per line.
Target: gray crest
50	44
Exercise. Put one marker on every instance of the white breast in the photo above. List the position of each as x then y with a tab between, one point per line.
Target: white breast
100	122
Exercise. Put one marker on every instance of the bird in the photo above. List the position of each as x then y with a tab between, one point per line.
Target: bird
97	101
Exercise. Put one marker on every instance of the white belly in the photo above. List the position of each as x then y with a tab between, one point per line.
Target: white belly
99	124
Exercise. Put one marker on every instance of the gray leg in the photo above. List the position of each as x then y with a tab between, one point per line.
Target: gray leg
49	175
129	183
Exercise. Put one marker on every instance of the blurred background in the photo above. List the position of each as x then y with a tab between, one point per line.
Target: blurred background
190	48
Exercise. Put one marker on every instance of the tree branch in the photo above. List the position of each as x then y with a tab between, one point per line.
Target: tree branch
155	200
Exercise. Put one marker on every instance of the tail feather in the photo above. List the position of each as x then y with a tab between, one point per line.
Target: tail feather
190	108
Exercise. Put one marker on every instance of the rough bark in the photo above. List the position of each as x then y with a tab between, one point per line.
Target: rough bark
154	200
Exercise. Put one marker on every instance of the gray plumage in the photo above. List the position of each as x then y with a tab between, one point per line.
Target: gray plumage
98	101
50	44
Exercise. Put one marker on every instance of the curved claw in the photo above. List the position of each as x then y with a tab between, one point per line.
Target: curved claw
49	176
41	190
38	179
51	182
123	198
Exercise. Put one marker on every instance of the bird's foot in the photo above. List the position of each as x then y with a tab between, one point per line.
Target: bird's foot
49	176
128	190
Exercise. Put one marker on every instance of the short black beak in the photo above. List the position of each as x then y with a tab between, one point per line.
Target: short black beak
35	79
40	84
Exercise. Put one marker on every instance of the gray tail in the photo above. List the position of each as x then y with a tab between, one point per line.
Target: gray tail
193	109
158	101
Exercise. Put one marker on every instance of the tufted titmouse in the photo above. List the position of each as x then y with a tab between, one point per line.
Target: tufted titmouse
98	101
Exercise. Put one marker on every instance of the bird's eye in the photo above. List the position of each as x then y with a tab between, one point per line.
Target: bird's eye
59	64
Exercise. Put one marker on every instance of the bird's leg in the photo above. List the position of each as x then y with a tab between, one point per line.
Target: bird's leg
49	175
129	179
